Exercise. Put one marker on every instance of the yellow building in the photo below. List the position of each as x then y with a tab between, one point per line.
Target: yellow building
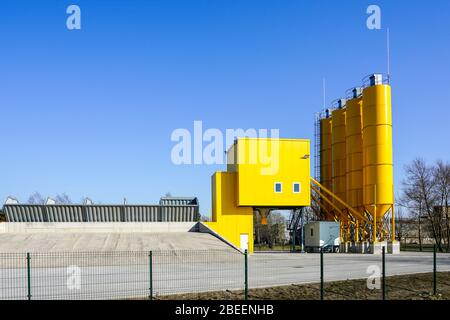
233	223
262	174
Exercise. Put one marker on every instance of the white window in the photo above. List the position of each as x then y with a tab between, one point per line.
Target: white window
278	187
296	187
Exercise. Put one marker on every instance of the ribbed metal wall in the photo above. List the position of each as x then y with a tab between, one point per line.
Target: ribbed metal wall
17	213
179	213
178	201
142	213
64	213
101	213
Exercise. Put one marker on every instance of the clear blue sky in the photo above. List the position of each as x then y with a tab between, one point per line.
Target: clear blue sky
91	111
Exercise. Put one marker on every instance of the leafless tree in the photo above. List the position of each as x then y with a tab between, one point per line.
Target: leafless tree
63	199
441	176
36	198
401	230
277	224
420	198
273	232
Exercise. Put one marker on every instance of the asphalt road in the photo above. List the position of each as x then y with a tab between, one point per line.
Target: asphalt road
196	272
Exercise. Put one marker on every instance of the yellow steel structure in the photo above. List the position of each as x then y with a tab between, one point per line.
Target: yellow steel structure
354	150
378	164
262	163
262	174
356	173
326	171
339	157
352	212
378	194
362	188
229	220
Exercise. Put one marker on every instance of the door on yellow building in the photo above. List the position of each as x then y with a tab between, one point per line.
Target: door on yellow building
244	241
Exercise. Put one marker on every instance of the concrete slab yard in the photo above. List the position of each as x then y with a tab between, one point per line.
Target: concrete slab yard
94	242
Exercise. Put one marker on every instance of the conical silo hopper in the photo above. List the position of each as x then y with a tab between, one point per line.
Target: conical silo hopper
378	193
339	162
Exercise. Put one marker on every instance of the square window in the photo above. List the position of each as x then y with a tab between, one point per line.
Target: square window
278	187
296	187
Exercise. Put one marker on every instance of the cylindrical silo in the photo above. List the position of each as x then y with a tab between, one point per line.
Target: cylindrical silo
338	151
354	151
325	155
378	195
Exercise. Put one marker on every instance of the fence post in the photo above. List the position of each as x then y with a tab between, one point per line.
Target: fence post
29	275
246	274
384	271
321	273
150	261
434	271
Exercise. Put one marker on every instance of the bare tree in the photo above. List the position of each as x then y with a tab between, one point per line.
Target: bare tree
274	232
419	197
277	230
441	176
401	230
36	198
63	199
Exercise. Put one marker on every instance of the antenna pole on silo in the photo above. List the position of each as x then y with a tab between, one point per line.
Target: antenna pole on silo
324	92
388	48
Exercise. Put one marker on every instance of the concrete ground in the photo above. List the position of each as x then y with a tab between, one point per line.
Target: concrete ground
105	242
126	275
284	268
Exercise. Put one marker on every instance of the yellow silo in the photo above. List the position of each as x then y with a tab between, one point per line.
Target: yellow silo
338	150
354	151
378	192
325	155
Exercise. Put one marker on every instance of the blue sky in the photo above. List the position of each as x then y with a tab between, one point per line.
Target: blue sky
90	112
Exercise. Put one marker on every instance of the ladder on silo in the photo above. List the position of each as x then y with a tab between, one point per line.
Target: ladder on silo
317	142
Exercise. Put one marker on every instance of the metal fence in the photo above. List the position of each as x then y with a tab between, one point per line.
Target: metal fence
217	274
118	275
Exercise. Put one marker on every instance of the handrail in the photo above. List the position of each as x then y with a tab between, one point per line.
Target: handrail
350	209
347	216
322	207
328	201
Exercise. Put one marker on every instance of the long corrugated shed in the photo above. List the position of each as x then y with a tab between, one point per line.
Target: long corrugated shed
167	211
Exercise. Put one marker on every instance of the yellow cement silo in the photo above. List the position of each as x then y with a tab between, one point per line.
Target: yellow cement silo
338	137
354	151
378	193
325	155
